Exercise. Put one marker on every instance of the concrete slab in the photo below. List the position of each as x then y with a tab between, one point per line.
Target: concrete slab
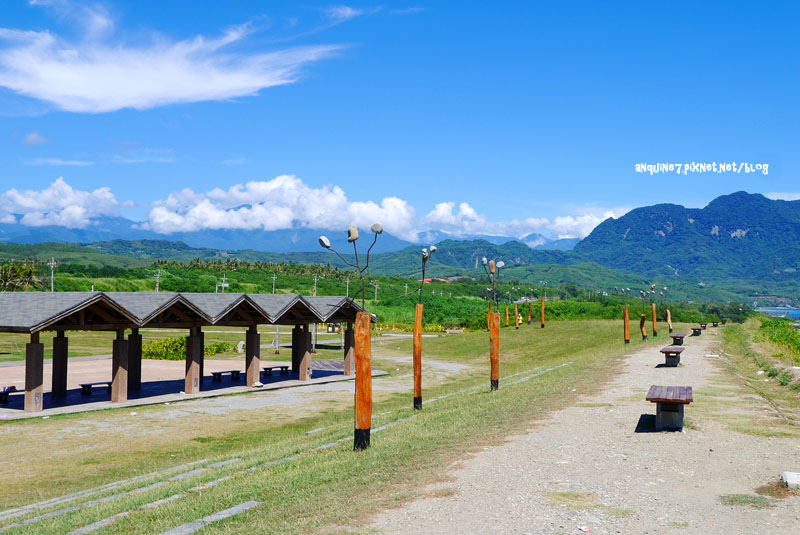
791	479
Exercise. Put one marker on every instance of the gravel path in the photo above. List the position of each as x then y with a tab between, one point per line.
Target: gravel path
586	469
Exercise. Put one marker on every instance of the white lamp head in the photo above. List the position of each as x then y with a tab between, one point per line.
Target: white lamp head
324	242
352	234
377	228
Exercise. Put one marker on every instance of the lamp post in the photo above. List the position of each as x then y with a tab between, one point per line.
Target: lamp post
363	346
492	270
417	346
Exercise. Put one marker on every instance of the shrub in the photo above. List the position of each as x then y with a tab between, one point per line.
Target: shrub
175	349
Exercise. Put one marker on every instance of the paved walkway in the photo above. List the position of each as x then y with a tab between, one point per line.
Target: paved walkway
598	467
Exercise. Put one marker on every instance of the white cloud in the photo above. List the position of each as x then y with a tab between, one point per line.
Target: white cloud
96	74
58	204
777	196
281	203
342	13
234	161
60	162
34	139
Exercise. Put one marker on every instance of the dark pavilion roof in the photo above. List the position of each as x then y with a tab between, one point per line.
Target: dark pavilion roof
36	311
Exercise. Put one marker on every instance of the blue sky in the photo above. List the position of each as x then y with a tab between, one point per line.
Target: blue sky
463	116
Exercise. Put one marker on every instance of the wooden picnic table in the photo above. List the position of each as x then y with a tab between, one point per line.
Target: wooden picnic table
703	325
672	355
677	339
697	331
669	401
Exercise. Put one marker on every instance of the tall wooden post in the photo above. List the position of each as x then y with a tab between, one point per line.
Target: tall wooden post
363	396
516	317
349	349
60	351
194	351
542	319
135	361
506	316
418	358
530	311
643	328
253	355
34	375
494	353
627	327
669	320
489	318
119	368
655	325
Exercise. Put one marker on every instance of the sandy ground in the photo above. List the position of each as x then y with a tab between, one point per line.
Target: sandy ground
587	469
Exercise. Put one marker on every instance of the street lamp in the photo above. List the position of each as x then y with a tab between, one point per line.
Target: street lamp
352	237
426	255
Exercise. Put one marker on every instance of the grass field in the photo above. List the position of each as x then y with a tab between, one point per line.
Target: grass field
317	490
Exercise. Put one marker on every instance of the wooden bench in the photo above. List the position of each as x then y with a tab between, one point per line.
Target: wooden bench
677	339
703	326
5	392
672	355
235	375
697	331
670	401
86	388
284	369
715	324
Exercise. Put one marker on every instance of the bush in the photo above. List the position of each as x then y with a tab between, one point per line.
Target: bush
175	349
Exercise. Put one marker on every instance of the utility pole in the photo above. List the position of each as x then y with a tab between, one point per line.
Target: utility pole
315	285
158	280
376	291
273	282
52	263
406	295
347	289
224	278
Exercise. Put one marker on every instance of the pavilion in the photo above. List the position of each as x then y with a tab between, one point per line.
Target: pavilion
35	312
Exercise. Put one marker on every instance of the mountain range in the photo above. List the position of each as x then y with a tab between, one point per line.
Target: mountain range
740	245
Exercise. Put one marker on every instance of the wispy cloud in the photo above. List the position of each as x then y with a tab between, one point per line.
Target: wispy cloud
342	13
234	161
142	155
99	75
778	196
59	162
34	139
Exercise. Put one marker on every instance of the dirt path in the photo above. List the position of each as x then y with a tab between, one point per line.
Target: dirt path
587	469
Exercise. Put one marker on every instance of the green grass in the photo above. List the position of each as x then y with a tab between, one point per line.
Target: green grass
308	494
747	500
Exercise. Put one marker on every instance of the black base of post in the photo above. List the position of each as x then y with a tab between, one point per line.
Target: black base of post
627	341
655	335
494	385
644	339
670	330
360	439
517	327
542	326
418	403
529	323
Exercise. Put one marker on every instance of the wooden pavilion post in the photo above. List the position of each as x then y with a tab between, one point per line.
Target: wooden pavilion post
194	352
253	355
363	395
494	353
60	352
349	349
305	351
297	356
34	374
119	368
134	361
627	329
418	357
